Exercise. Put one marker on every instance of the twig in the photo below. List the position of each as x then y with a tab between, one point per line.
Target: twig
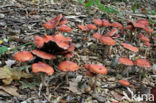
142	15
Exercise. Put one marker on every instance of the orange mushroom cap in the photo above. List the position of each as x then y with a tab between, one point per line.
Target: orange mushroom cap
147	44
58	19
42	67
148	30
48	25
83	28
98	69
112	32
43	54
142	63
86	66
130	47
129	27
61	41
69	55
91	27
143	38
71	47
98	22
46	38
63	21
60	37
117	25
107	41
143	21
97	35
90	74
68	66
124	82
125	61
23	56
105	23
136	25
38	41
64	28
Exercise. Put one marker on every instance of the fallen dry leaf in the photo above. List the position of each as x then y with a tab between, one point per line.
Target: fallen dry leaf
117	96
73	86
9	90
7	75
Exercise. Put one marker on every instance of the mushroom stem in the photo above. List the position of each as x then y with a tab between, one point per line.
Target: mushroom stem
44	83
43	79
26	67
96	45
90	82
110	50
95	81
140	74
67	81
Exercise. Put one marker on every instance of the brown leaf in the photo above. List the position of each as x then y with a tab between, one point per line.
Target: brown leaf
8	74
117	96
10	90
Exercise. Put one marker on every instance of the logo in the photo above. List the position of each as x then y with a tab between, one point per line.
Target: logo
137	97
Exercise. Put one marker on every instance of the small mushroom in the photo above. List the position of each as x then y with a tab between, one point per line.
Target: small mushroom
24	56
98	22
97	36
124	83
94	70
143	63
111	33
44	69
64	28
68	66
44	55
125	61
117	25
108	42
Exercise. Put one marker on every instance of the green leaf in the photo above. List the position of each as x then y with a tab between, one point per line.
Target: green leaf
154	34
29	85
134	8
81	1
89	4
3	49
110	10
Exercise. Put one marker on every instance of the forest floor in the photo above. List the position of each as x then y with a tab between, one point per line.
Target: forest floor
21	20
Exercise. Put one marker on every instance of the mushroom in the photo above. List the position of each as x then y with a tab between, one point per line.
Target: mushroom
91	27
84	29
24	56
125	61
94	70
143	63
133	29
111	33
109	42
130	47
44	69
44	55
52	23
124	82
105	23
64	28
68	66
117	25
98	22
97	36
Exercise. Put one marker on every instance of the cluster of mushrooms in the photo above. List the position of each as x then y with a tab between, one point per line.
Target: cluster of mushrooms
50	46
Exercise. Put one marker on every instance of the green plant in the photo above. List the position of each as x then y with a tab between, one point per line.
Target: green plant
3	50
90	3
